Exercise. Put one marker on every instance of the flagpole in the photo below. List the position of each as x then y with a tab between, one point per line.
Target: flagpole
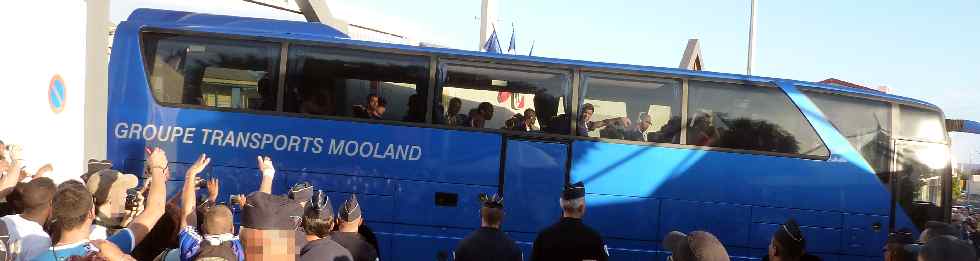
751	60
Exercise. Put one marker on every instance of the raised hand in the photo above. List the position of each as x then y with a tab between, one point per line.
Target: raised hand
157	159
213	187
265	166
44	170
199	165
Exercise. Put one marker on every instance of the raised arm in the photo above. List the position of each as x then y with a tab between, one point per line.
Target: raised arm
188	199
265	167
156	197
14	171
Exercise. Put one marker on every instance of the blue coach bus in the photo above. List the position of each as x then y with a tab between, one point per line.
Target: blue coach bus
735	155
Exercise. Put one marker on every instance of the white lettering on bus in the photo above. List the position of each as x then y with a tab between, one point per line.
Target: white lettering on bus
237	139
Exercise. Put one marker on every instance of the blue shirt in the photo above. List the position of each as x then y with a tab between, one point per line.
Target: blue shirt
190	244
123	239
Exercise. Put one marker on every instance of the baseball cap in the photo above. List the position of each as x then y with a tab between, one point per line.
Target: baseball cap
265	211
109	182
94	166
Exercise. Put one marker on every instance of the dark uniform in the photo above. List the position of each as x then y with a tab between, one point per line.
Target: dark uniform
324	249
569	239
487	244
359	248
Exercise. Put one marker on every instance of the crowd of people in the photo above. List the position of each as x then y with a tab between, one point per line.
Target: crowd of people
108	215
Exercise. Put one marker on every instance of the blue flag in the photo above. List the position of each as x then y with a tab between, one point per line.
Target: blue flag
512	47
492	45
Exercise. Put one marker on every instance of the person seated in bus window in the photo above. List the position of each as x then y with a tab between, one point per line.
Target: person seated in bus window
369	110
703	131
453	117
320	103
637	131
669	133
379	109
267	97
585	123
480	115
528	121
416	110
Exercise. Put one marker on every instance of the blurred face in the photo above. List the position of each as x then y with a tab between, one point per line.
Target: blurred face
268	245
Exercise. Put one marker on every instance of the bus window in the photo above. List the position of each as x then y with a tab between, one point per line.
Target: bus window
745	117
865	123
921	124
503	99
356	84
646	110
919	179
212	72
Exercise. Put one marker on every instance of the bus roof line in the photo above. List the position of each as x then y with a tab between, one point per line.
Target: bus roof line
305	31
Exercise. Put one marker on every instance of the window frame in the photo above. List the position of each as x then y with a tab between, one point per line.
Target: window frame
220	37
895	111
312	44
754	84
575	74
682	103
491	64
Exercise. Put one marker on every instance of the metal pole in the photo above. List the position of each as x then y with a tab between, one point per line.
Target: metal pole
748	66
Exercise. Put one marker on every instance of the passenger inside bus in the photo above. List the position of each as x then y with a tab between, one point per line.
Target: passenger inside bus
669	133
373	109
480	115
703	131
320	102
416	109
453	117
365	111
585	123
635	133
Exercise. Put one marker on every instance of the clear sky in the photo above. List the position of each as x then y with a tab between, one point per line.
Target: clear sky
922	50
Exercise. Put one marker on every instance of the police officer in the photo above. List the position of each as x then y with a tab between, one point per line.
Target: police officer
347	232
318	221
570	239
488	242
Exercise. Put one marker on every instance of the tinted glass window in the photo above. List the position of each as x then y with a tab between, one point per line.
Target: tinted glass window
921	124
748	117
919	178
357	84
865	123
504	99
637	110
212	72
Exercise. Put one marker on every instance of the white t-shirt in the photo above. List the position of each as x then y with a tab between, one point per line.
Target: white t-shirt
98	232
33	240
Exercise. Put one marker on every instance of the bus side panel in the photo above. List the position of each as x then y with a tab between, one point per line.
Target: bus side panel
709	189
533	178
738	178
726	221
